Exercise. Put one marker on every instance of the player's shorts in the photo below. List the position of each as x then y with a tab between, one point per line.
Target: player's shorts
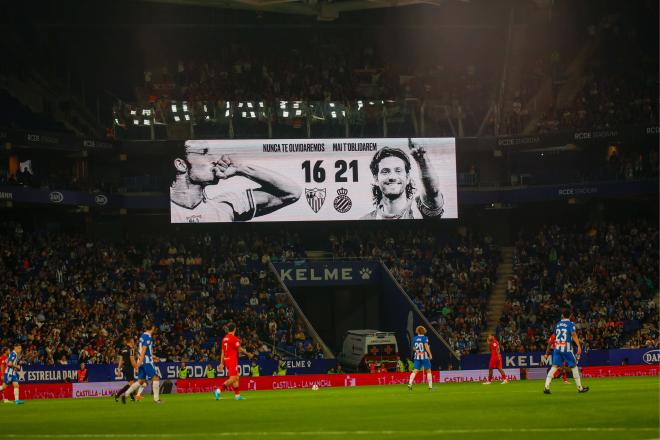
10	378
559	357
495	363
422	364
146	372
232	367
128	373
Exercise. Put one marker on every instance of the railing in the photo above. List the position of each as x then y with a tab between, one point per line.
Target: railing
327	353
432	329
171	119
281	352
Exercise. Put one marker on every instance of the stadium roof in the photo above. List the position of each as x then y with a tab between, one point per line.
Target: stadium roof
322	9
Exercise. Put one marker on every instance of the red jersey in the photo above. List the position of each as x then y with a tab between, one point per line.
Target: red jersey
230	345
551	341
3	364
494	349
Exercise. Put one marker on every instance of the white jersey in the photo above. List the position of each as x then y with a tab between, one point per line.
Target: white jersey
416	210
226	207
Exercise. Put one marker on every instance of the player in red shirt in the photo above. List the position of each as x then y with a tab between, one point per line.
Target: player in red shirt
495	360
3	362
3	367
564	368
231	346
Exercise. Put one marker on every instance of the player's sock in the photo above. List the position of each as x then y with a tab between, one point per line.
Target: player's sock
237	391
549	377
503	375
412	378
16	394
122	391
576	377
140	390
155	384
132	388
564	376
429	378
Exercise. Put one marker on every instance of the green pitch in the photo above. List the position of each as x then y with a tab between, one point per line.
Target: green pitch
613	409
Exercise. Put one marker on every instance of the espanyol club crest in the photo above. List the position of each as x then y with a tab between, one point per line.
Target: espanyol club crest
315	198
342	203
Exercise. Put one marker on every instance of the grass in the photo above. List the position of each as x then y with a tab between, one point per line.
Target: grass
625	408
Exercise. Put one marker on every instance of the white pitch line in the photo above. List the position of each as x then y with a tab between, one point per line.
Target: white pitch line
335	433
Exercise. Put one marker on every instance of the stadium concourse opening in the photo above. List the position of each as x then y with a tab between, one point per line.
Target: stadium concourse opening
333	310
360	295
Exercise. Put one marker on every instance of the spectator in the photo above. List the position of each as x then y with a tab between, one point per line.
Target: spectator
605	273
183	371
82	374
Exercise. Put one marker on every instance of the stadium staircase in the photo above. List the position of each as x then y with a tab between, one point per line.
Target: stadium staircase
497	297
561	94
327	353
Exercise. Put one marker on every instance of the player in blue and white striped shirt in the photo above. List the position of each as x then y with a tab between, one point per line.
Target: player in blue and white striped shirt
146	365
565	336
11	374
422	357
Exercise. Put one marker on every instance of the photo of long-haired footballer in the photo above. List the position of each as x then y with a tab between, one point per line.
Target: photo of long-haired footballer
394	191
196	167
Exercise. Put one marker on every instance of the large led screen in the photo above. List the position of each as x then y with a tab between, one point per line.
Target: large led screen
313	180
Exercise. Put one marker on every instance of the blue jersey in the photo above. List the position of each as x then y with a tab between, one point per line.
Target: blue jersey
419	347
564	336
13	359
146	340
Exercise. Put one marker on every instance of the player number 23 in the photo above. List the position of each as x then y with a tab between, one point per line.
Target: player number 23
561	334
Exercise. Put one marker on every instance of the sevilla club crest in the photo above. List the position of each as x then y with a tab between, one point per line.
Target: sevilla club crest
315	198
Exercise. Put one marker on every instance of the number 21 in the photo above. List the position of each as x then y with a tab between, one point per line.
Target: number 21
342	167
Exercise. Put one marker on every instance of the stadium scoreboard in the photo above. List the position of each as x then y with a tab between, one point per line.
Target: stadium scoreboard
315	180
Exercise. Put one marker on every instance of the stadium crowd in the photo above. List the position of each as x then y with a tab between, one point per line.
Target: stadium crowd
318	67
607	274
70	299
607	101
611	95
331	67
83	313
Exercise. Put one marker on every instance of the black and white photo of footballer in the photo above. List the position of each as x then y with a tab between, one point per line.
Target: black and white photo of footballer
196	167
394	193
